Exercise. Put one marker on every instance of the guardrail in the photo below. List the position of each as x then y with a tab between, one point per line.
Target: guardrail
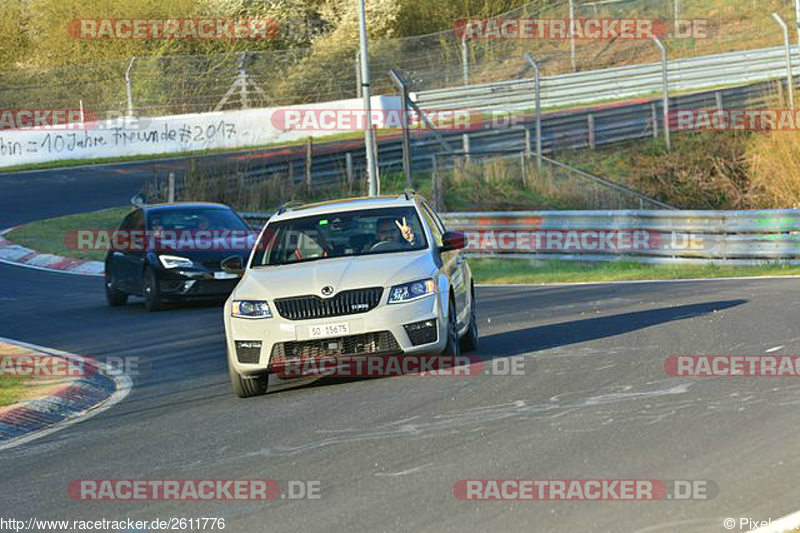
689	237
569	129
691	74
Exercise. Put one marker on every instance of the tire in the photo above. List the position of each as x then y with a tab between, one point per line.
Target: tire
249	386
114	296
152	296
453	346
469	342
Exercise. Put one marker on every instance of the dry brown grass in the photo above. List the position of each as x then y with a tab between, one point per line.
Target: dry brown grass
774	164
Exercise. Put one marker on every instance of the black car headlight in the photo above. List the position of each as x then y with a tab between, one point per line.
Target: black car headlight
250	309
411	291
175	261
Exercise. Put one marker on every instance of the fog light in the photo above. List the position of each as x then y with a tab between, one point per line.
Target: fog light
248	351
424	332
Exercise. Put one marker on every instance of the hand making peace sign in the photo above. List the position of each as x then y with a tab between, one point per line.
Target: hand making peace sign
405	229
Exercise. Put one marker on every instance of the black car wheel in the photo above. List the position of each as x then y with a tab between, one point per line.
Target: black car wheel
453	347
114	296
152	296
246	387
469	342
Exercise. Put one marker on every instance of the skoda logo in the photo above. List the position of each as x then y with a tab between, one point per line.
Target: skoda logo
327	290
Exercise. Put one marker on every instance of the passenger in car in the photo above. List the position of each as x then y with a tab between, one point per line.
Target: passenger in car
392	230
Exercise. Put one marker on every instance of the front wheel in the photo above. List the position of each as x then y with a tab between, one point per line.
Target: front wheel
453	346
469	342
246	387
152	295
114	296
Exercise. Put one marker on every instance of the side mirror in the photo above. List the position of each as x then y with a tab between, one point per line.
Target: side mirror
453	240
233	265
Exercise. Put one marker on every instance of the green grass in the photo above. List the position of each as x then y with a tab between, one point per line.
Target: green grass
11	389
511	270
47	236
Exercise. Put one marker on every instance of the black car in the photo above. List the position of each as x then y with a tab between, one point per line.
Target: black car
171	252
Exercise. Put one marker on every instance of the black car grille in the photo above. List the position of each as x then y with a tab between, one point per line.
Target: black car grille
378	342
345	303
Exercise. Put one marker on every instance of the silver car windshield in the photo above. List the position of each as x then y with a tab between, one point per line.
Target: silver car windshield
349	233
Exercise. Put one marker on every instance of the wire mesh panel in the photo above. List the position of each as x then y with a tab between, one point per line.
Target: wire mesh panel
323	72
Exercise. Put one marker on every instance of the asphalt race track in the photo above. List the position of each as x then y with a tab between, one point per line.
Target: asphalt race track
38	194
595	403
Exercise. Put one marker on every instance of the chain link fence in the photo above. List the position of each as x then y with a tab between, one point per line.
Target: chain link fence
196	84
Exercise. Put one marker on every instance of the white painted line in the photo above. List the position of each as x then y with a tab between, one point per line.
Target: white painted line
53	270
634	281
774	349
124	387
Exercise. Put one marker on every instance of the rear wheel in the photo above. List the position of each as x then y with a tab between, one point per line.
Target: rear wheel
453	346
246	387
152	296
469	342
114	296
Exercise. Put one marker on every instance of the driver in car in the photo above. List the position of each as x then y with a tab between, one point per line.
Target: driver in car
390	230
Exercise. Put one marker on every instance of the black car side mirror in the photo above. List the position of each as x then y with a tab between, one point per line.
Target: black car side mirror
233	265
453	240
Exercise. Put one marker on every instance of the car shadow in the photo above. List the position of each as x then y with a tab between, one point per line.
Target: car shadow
538	338
549	336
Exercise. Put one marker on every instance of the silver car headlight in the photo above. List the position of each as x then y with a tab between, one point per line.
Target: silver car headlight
250	309
174	261
408	292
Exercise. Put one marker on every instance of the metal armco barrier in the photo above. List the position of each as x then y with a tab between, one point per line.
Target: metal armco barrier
568	129
692	74
729	237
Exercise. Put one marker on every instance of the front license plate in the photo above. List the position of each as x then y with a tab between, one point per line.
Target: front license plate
328	330
224	275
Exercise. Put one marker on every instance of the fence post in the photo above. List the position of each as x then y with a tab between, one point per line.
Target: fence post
348	167
538	88
788	50
720	104
171	188
522	160
435	182
592	137
465	61
129	86
654	119
527	142
797	19
243	82
677	16
465	80
572	35
358	74
400	84
309	149
665	80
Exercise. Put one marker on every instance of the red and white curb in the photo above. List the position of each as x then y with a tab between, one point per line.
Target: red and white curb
14	254
73	402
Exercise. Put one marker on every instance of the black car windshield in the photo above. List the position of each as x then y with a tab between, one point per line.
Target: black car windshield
348	233
194	219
